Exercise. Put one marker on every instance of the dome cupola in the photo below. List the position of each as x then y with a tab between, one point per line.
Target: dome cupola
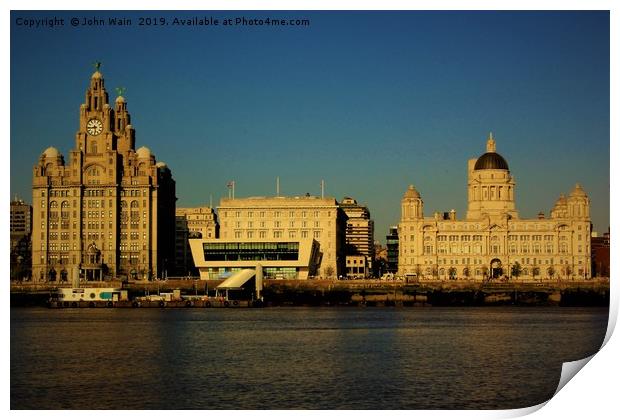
491	159
411	192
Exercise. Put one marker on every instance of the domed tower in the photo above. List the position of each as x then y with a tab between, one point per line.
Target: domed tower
490	185
412	206
578	203
560	209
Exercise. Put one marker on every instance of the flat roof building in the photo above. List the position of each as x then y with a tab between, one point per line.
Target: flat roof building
192	222
280	259
288	219
392	250
21	244
359	238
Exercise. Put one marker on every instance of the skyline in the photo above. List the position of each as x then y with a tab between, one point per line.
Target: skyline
365	110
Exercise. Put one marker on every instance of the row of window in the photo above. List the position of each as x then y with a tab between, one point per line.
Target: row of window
277	234
517	227
276	224
96	192
276	213
251	247
496	249
462	261
467	238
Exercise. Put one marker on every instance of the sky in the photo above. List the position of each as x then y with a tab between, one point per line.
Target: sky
368	101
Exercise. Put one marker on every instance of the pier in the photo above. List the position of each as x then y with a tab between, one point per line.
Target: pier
196	293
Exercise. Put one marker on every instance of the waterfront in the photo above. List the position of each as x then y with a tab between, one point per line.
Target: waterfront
314	358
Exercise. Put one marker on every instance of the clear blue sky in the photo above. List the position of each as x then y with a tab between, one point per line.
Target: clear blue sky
368	101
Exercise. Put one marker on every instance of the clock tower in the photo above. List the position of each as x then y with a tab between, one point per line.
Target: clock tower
110	212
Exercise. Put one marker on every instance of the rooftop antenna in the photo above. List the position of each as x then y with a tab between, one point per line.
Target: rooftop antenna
210	200
277	186
322	189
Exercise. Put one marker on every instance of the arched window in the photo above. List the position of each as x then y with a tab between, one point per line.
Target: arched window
64	210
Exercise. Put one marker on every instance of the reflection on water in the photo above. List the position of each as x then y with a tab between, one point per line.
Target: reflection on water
315	358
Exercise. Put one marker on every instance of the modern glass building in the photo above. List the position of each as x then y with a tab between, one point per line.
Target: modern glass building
218	259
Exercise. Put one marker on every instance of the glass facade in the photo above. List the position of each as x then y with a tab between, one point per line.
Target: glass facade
392	250
280	273
251	251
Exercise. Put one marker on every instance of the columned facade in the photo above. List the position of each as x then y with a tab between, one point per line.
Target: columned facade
492	241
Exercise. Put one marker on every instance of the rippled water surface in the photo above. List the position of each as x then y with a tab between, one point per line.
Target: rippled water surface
315	358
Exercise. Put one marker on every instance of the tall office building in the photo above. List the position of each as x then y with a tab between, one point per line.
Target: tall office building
392	250
359	238
492	240
108	212
20	235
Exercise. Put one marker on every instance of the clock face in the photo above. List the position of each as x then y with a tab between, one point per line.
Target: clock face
94	127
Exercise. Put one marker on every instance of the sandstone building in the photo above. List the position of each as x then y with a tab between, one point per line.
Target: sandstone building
492	241
192	223
288	219
110	210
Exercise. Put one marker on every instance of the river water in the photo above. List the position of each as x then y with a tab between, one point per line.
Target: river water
303	358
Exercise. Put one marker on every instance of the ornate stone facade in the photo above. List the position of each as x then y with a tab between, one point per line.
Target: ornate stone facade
109	211
493	241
